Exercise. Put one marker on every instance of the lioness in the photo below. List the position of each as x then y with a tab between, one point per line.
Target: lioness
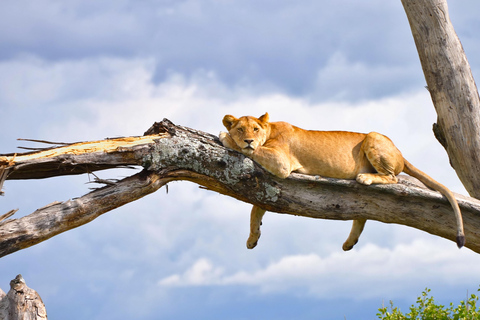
282	148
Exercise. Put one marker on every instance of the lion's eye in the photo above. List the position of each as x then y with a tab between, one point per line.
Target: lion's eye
255	129
240	130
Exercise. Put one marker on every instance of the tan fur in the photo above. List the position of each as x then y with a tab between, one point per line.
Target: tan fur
282	148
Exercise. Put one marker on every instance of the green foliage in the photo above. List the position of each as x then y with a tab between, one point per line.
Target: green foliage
427	309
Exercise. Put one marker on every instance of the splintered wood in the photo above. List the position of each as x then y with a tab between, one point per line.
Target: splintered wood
77	158
107	146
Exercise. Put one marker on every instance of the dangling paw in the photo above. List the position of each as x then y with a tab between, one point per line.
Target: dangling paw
253	240
348	246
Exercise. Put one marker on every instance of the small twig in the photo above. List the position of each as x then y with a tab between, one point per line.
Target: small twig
8	215
32	149
40	141
108	182
44	141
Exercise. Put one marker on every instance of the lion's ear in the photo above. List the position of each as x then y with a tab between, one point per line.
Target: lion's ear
264	118
229	121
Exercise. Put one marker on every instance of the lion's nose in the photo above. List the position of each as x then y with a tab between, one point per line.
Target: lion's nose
249	141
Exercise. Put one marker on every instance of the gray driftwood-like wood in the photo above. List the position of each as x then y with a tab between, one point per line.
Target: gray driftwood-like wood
21	302
451	86
169	152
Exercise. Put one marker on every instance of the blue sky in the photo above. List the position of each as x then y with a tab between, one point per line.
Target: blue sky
87	70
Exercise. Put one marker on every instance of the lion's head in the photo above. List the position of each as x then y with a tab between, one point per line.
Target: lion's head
248	132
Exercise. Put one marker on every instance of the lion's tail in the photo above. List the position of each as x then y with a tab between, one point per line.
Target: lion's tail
429	182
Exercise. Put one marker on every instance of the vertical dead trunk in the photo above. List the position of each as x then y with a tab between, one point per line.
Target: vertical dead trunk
451	85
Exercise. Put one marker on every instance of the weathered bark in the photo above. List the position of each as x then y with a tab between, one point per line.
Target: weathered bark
451	86
170	152
21	302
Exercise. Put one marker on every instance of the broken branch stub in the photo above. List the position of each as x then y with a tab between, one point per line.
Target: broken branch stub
21	302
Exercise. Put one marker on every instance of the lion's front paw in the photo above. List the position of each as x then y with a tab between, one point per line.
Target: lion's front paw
226	140
364	179
223	136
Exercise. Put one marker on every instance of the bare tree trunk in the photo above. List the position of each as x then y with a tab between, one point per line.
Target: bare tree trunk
169	152
21	302
451	85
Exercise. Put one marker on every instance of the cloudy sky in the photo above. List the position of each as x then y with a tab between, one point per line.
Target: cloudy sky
80	70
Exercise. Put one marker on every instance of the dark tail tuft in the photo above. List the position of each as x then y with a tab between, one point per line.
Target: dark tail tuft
460	241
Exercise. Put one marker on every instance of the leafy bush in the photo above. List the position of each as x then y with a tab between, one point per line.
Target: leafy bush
427	309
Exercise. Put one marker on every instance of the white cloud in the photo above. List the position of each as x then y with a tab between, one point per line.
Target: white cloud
201	273
390	271
342	79
228	37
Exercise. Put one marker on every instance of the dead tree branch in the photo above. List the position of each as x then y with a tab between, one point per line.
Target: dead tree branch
168	152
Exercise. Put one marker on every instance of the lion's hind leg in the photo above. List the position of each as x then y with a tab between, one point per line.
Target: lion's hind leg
357	228
384	157
255	222
387	162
